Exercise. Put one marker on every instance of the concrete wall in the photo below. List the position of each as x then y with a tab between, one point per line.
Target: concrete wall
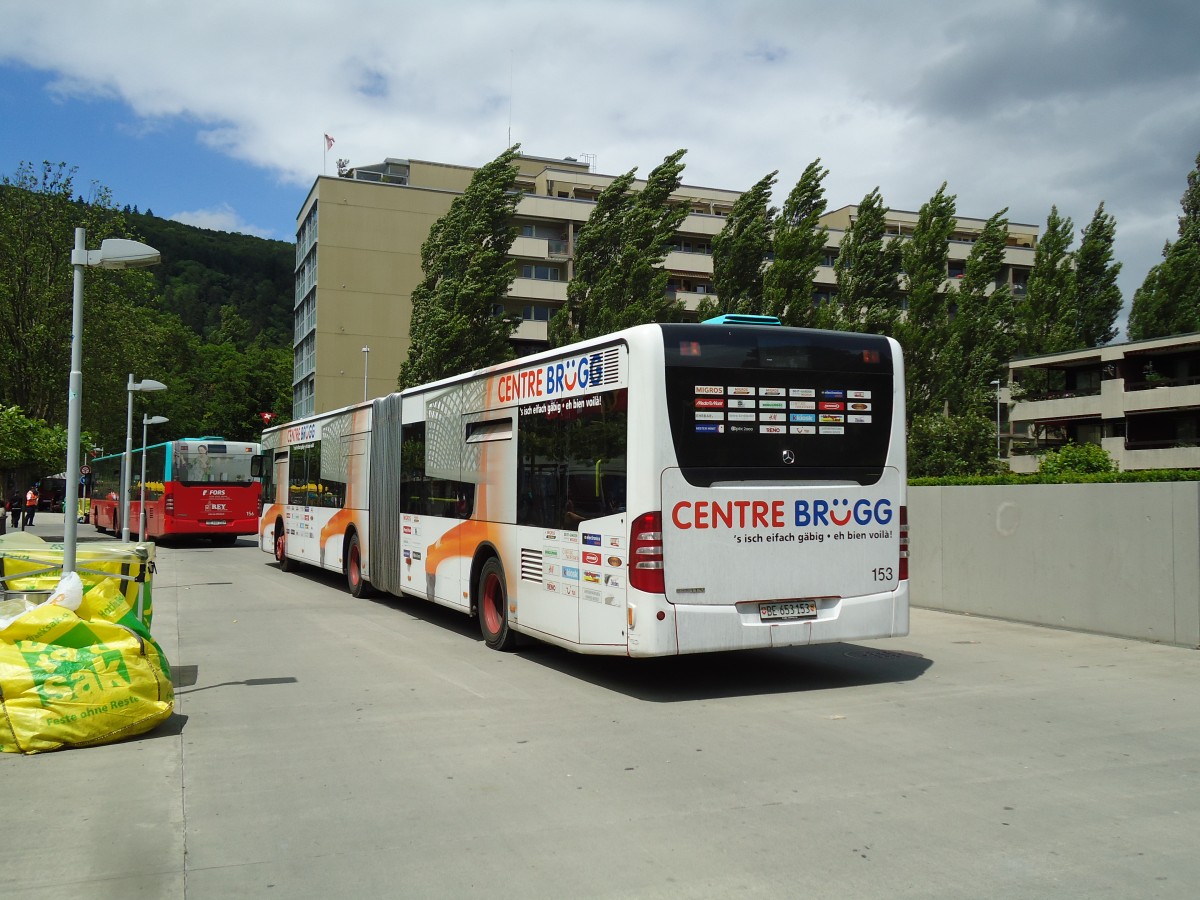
1119	559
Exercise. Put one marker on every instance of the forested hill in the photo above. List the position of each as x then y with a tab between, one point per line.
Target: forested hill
203	271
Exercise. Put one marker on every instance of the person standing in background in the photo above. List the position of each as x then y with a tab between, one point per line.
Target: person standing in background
31	504
16	503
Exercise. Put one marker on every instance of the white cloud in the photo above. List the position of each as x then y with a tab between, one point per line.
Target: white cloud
1021	105
222	217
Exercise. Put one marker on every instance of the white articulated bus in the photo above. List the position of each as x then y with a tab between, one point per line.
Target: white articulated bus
666	489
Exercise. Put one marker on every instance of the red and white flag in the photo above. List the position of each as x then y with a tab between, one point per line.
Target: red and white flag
328	142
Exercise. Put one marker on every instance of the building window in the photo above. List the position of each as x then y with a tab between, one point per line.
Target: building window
542	273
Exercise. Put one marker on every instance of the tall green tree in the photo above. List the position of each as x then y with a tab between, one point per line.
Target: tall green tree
740	253
868	270
799	247
925	333
38	218
982	329
618	279
1168	302
1047	315
467	273
1097	296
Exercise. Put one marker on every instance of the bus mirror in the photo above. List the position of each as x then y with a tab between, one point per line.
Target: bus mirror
257	465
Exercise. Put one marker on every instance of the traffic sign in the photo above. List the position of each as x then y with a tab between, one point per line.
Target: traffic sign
85	470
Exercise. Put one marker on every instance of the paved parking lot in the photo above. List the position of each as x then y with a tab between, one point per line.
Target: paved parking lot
325	746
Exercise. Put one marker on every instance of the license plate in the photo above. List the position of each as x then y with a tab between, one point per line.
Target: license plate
216	522
793	609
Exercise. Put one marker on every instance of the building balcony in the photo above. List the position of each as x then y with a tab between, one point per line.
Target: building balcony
1062	405
539	248
537	289
530	330
698	264
1159	455
1162	395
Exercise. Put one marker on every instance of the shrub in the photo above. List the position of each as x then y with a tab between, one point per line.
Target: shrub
1083	459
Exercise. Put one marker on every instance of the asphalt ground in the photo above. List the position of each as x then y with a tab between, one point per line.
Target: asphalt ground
329	747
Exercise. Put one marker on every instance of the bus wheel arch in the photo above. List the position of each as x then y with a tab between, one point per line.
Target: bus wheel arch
281	557
491	601
352	559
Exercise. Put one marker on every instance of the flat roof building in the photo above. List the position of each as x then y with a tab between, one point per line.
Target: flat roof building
358	259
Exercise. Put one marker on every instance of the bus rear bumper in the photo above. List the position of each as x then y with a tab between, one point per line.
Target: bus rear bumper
703	629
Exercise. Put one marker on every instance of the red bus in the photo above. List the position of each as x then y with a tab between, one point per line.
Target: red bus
194	486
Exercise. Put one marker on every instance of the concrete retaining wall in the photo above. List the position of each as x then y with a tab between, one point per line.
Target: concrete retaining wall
1119	559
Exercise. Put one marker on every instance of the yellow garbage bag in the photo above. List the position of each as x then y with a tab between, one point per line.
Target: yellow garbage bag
79	670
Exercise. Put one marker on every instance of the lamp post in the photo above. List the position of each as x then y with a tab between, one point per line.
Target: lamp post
996	385
366	350
146	420
146	384
114	253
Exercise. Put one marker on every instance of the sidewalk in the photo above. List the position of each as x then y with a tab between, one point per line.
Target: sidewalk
49	527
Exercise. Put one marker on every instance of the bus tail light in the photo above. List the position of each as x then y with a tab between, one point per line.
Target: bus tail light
903	543
169	504
646	554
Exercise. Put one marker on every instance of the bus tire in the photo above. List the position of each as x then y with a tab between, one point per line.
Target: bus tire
355	583
492	602
281	557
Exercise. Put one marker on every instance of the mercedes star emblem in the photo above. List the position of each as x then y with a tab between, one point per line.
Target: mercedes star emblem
789	457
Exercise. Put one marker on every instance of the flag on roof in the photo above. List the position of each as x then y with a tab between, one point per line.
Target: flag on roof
328	142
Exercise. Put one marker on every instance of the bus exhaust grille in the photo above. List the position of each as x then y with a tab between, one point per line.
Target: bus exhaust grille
531	565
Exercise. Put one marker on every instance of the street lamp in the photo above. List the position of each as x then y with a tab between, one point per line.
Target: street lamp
366	350
114	253
146	384
996	384
146	420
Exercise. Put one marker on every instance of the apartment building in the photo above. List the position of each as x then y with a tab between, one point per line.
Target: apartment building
1140	401
358	259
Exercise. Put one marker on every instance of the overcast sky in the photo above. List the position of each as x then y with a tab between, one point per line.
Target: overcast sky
213	113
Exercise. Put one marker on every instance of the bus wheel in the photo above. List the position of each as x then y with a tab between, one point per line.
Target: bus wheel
281	557
492	600
355	583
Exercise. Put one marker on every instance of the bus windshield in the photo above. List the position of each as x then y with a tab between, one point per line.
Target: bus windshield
197	462
762	403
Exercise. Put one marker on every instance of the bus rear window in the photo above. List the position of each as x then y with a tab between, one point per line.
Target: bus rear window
761	403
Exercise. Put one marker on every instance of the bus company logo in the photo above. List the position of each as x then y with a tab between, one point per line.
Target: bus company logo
551	535
831	406
802	392
571	573
710	389
570	554
740	391
832	418
591	577
616	562
841	512
213	492
591	540
408	554
710	403
590	558
570	590
858	395
613	581
709	428
803	417
298	434
552	569
554	379
772	392
417	554
552	586
833	395
858	420
408	529
550	552
859	407
615	543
